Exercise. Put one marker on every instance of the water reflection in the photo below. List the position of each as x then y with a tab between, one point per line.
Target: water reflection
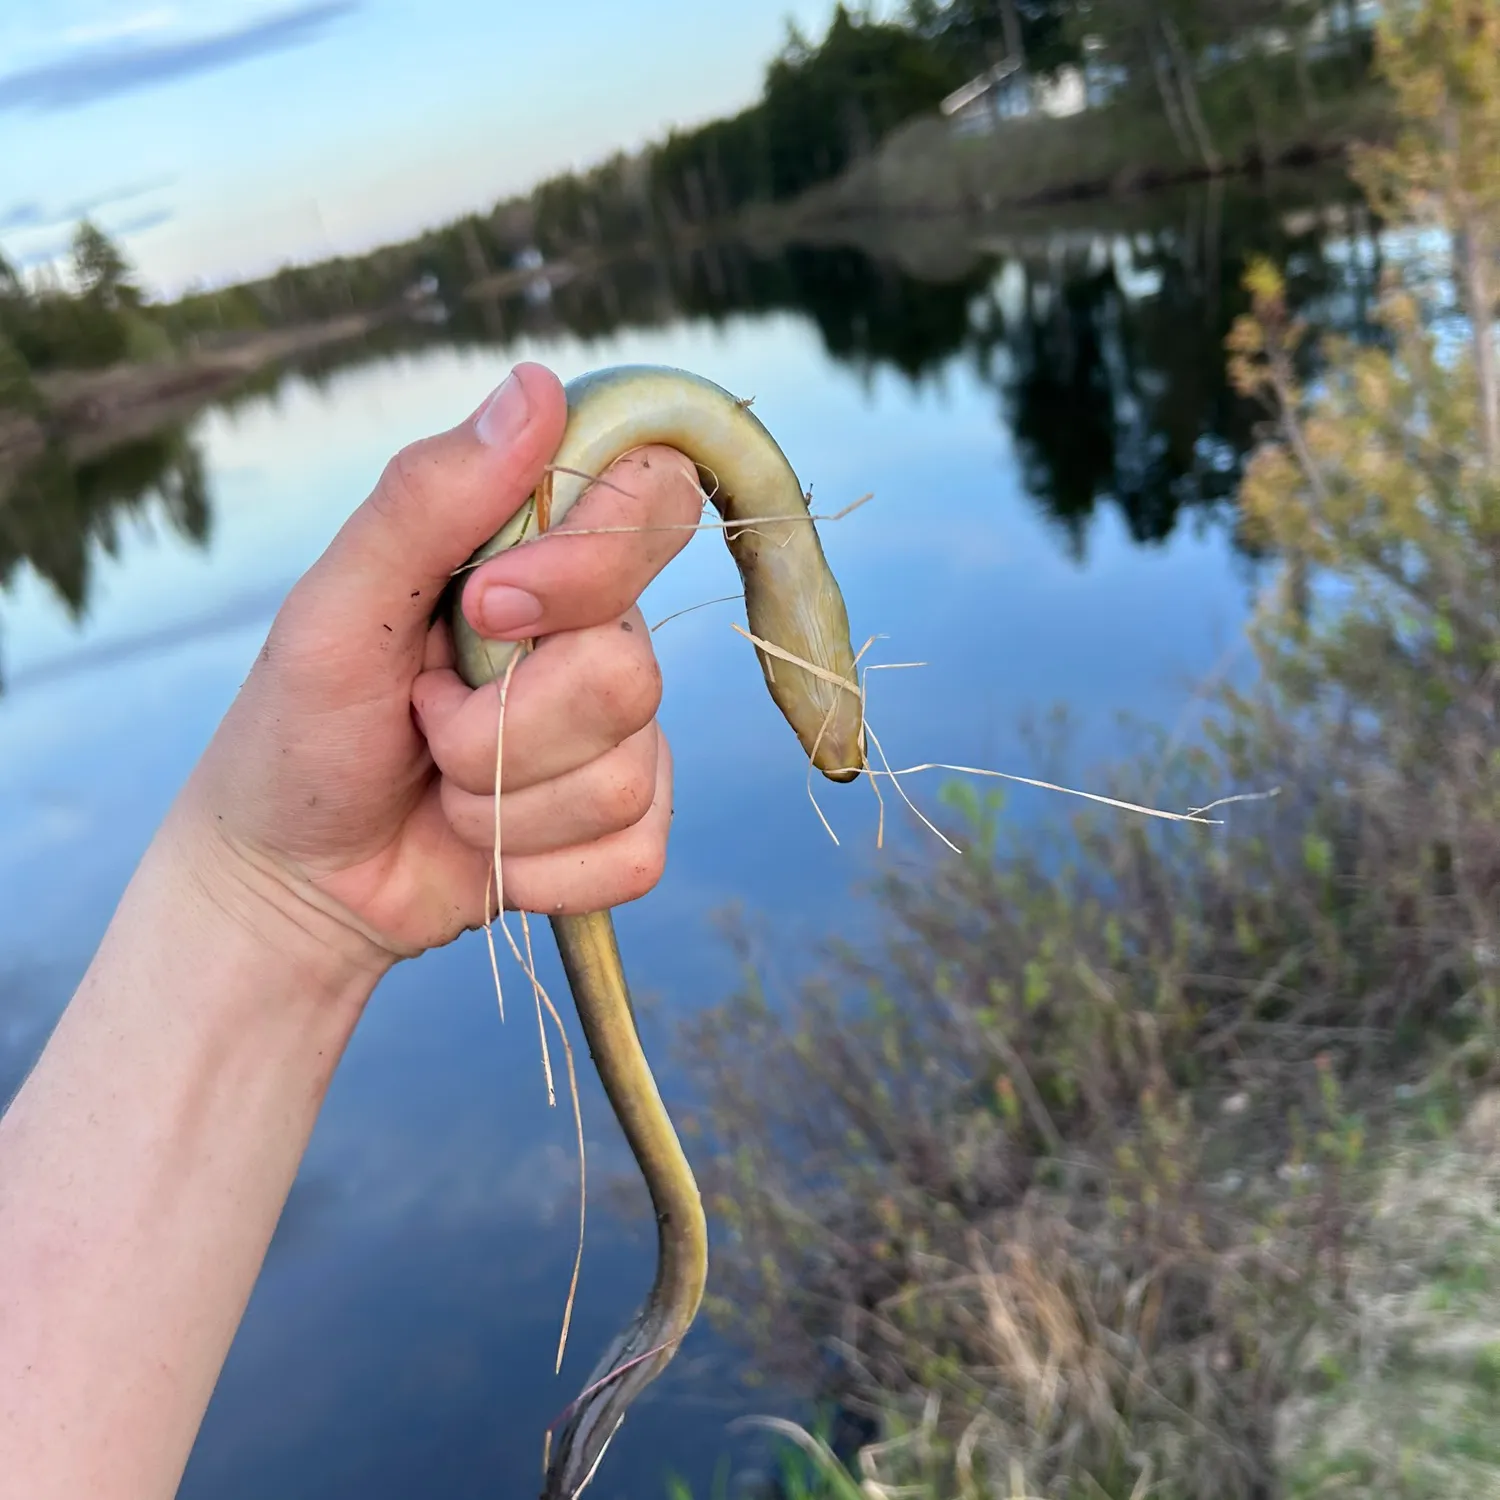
60	509
1103	344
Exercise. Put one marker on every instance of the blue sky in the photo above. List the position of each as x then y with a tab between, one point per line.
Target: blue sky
221	138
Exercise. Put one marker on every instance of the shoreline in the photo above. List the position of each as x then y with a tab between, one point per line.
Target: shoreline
94	410
922	185
1125	186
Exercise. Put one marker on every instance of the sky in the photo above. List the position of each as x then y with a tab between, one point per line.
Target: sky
222	138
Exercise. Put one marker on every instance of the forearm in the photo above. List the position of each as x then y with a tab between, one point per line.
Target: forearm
143	1167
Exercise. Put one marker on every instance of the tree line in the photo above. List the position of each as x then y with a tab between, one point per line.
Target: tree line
824	105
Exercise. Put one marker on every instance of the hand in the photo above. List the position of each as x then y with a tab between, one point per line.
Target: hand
339	819
350	786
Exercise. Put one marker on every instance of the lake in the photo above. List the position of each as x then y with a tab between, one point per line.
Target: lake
1051	450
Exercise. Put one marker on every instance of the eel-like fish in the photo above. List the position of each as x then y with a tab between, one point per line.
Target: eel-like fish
792	601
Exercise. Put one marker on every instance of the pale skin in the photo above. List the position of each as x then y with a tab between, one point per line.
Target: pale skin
340	821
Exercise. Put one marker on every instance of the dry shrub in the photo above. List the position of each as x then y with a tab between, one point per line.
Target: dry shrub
1028	1161
1083	1149
1080	1163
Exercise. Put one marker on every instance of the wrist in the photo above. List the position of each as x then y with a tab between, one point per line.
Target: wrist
302	945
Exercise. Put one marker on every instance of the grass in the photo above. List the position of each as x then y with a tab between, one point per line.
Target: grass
1399	1397
1397	1393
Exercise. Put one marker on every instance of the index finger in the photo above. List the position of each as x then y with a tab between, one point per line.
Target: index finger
641	512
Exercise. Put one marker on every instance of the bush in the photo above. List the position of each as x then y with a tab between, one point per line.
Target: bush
1082	1162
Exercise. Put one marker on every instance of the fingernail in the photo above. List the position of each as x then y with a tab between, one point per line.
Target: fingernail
505	414
503	609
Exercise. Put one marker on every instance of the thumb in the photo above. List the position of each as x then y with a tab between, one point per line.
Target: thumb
438	500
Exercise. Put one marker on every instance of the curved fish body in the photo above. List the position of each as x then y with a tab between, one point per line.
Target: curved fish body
792	602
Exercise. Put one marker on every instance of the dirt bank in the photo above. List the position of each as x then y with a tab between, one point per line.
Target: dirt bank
93	410
925	171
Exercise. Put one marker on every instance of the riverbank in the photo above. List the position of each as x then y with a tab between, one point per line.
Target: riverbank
1116	151
933	200
937	200
94	410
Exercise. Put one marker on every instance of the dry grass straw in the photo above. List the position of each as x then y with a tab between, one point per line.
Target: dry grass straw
1193	815
920	1464
494	883
744	523
1062	1357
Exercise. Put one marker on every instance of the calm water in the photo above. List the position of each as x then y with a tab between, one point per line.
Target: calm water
1046	440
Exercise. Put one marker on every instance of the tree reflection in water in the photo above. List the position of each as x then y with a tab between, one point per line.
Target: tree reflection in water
1102	339
58	511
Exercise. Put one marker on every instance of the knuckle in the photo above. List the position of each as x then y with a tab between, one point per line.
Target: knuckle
524	892
641	689
682	488
640	868
403	482
603	581
674	500
463	812
635	798
463	753
442	745
631	788
663	477
626	683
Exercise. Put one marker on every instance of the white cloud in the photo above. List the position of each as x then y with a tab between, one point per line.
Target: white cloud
126	26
